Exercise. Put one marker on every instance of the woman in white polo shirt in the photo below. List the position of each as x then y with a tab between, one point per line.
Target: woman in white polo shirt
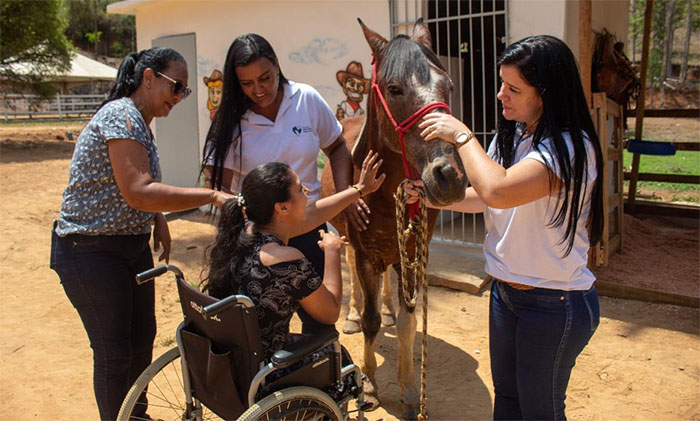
539	189
263	118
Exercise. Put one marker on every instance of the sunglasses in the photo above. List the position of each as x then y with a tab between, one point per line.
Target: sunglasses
178	88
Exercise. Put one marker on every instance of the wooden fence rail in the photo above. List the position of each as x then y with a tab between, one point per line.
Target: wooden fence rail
18	106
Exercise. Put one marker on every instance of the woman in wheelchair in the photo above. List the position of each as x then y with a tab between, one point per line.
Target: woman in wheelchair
250	255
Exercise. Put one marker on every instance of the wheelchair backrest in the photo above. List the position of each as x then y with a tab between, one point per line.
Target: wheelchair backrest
223	352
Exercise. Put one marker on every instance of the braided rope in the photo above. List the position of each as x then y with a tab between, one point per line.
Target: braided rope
419	228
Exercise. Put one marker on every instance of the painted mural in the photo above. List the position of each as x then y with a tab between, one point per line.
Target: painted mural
355	87
215	87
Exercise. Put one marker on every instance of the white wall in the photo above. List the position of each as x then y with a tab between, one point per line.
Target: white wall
313	39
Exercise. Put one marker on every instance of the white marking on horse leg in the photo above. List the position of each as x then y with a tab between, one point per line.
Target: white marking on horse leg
406	332
388	311
353	319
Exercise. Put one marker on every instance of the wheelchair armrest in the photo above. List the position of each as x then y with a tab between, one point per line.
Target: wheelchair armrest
298	350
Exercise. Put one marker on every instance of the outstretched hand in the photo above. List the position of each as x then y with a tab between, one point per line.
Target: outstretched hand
330	242
369	182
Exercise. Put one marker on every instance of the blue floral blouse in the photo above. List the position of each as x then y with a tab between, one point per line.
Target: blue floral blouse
92	203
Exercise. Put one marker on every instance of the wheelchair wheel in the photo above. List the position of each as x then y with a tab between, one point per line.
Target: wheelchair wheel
162	386
294	403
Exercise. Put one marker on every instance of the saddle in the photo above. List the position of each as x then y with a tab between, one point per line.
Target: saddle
612	71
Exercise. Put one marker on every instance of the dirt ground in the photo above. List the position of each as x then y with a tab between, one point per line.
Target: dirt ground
642	363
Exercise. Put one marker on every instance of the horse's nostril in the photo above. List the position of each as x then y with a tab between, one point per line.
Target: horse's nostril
441	175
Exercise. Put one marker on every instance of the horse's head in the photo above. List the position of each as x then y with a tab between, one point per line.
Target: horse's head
410	77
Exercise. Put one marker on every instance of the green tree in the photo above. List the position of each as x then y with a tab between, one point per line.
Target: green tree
32	33
89	17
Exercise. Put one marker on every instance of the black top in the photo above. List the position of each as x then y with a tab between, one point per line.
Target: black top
276	291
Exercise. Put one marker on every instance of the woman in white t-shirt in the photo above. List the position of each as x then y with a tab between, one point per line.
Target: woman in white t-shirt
539	189
263	117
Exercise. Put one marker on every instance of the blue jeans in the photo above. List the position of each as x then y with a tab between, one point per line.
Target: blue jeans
97	274
534	337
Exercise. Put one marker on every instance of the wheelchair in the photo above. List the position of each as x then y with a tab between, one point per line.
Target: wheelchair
217	371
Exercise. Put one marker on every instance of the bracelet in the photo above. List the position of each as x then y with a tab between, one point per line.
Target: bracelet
356	188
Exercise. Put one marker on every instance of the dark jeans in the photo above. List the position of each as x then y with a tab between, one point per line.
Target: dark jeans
97	273
535	337
308	245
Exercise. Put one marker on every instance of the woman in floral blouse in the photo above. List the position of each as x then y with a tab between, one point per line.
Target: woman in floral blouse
114	194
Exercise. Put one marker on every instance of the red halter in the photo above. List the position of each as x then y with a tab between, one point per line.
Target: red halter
403	127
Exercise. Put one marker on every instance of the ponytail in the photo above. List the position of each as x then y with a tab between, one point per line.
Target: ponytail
131	69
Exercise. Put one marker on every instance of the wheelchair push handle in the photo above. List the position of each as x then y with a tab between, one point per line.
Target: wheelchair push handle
149	274
223	304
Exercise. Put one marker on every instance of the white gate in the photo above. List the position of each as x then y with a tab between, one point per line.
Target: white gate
468	36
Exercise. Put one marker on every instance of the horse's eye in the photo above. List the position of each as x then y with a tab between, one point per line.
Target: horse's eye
394	90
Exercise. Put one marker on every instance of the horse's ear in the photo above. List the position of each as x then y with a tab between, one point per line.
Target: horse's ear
421	34
376	42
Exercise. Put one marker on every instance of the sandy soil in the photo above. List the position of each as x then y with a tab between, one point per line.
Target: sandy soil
642	363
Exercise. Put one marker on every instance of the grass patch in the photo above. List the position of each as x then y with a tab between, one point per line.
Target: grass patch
683	162
321	160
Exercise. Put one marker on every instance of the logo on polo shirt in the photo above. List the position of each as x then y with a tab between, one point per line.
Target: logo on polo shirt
297	130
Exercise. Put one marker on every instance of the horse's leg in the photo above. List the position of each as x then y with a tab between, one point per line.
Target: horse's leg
388	311
368	275
406	333
352	321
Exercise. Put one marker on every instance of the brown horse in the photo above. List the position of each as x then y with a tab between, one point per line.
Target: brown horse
409	76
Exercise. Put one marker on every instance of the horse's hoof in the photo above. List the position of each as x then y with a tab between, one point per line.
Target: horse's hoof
370	395
410	412
351	326
388	320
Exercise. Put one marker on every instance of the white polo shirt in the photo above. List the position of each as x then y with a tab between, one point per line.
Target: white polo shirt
304	125
521	247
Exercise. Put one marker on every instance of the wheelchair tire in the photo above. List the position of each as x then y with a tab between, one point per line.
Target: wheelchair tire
165	392
294	403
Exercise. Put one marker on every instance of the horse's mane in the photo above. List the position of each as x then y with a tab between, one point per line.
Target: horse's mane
405	57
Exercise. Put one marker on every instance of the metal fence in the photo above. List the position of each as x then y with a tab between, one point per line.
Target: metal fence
468	36
19	106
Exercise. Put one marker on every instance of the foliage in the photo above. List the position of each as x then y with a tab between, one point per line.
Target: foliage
91	28
33	35
658	29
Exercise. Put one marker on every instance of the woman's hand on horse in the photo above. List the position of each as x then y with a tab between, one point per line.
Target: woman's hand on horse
358	214
412	190
442	126
369	182
330	242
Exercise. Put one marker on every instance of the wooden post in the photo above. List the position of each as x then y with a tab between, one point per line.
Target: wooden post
585	35
639	119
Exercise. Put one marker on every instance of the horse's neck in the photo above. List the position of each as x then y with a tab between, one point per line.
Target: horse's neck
393	163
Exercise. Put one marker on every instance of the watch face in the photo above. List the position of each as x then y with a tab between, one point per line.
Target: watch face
462	138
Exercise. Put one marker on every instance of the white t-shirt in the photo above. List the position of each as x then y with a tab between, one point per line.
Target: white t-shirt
304	125
521	247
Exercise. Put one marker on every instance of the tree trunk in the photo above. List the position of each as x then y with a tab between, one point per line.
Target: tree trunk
686	43
668	40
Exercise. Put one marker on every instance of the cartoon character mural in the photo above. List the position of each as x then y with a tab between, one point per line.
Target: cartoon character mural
215	86
355	86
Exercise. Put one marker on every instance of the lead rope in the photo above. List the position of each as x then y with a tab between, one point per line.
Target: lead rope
417	226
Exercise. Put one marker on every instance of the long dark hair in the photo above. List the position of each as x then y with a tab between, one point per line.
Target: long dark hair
131	69
548	65
234	103
266	185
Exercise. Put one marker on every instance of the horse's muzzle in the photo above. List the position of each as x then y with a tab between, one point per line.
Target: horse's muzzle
444	184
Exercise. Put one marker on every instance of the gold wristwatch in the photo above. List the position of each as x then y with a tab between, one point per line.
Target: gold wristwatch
464	138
